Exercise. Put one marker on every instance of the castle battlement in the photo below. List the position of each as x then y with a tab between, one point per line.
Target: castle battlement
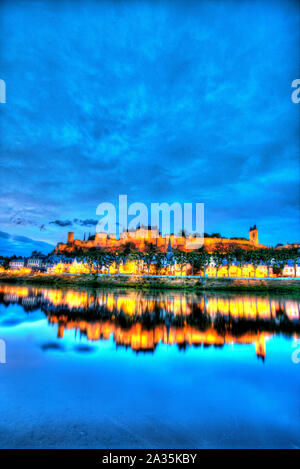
145	236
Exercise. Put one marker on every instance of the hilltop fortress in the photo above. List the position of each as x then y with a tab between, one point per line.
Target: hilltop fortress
145	236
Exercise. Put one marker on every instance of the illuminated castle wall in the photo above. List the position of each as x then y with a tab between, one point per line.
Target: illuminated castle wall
147	235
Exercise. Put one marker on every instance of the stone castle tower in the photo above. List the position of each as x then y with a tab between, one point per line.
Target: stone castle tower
253	235
71	237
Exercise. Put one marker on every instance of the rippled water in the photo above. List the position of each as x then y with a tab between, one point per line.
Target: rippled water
121	369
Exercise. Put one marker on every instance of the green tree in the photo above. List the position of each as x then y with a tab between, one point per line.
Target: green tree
240	257
36	253
108	260
267	256
293	254
255	257
88	259
281	258
180	259
218	257
127	248
137	257
203	260
119	258
160	261
97	259
229	257
283	255
192	258
149	256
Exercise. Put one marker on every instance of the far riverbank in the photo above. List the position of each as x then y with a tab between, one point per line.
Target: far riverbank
158	282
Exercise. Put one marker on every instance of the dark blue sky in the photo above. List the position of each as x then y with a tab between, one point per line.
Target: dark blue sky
163	101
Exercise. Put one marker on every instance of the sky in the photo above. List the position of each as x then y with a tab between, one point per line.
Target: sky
163	101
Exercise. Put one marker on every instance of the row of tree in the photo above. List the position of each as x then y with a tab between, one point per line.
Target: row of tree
198	261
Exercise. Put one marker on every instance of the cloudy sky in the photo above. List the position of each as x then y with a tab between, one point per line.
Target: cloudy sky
163	101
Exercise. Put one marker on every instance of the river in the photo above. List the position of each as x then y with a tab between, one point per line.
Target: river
128	369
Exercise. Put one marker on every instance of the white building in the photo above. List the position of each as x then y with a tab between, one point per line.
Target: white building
35	262
17	264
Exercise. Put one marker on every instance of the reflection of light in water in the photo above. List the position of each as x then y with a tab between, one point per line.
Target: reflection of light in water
135	304
132	303
139	338
14	290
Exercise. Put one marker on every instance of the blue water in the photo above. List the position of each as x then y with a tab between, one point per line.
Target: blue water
73	392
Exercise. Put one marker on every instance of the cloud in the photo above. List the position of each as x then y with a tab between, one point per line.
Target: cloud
88	222
61	223
76	221
155	106
21	245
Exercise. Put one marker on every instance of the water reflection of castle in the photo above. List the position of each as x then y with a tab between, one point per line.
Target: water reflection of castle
142	321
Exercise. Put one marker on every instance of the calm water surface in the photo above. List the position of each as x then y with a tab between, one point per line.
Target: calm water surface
122	369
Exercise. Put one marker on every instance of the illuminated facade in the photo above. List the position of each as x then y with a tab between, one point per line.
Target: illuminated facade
144	236
17	264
